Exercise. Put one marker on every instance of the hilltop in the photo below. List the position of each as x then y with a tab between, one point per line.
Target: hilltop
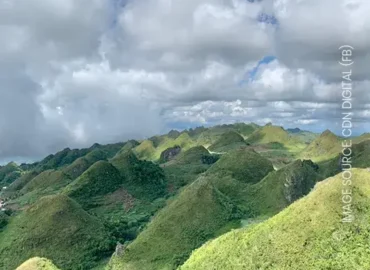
58	228
37	264
324	147
306	235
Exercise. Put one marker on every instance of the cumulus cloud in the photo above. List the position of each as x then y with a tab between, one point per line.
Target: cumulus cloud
77	72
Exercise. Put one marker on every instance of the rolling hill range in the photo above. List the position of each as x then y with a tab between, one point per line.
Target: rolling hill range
147	205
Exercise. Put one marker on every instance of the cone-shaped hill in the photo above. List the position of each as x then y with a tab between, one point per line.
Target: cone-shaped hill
80	165
269	134
187	222
58	228
360	158
245	165
201	211
143	179
309	234
100	179
228	141
187	165
326	146
37	264
274	192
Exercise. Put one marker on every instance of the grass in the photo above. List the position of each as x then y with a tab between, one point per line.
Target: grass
188	221
100	179
37	264
6	173
325	147
143	179
275	134
244	165
228	141
55	227
308	235
187	166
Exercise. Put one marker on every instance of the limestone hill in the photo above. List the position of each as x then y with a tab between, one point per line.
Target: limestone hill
37	264
309	234
58	228
100	179
244	165
228	141
326	146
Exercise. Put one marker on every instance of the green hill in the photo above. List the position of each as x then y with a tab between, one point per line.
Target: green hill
187	222
360	158
80	165
100	179
37	264
6	173
58	228
145	150
274	192
143	179
244	165
186	166
326	146
228	141
277	135
201	211
308	235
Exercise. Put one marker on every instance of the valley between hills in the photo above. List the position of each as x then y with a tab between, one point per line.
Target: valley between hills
238	196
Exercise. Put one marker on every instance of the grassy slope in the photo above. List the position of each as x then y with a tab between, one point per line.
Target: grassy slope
307	235
325	147
6	173
244	165
228	141
55	227
275	134
100	179
183	225
197	214
37	264
274	192
359	159
185	168
143	179
152	149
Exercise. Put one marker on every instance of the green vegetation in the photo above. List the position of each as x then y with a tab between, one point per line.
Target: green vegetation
187	222
37	264
274	192
187	166
228	141
8	173
58	228
143	179
308	235
158	200
100	179
245	165
80	165
325	147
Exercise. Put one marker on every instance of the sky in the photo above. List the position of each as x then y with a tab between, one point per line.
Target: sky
76	72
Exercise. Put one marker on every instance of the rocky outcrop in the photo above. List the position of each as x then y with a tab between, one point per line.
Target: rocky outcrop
170	153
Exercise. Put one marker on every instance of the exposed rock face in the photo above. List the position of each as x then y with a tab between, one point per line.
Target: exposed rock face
297	183
170	153
120	249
